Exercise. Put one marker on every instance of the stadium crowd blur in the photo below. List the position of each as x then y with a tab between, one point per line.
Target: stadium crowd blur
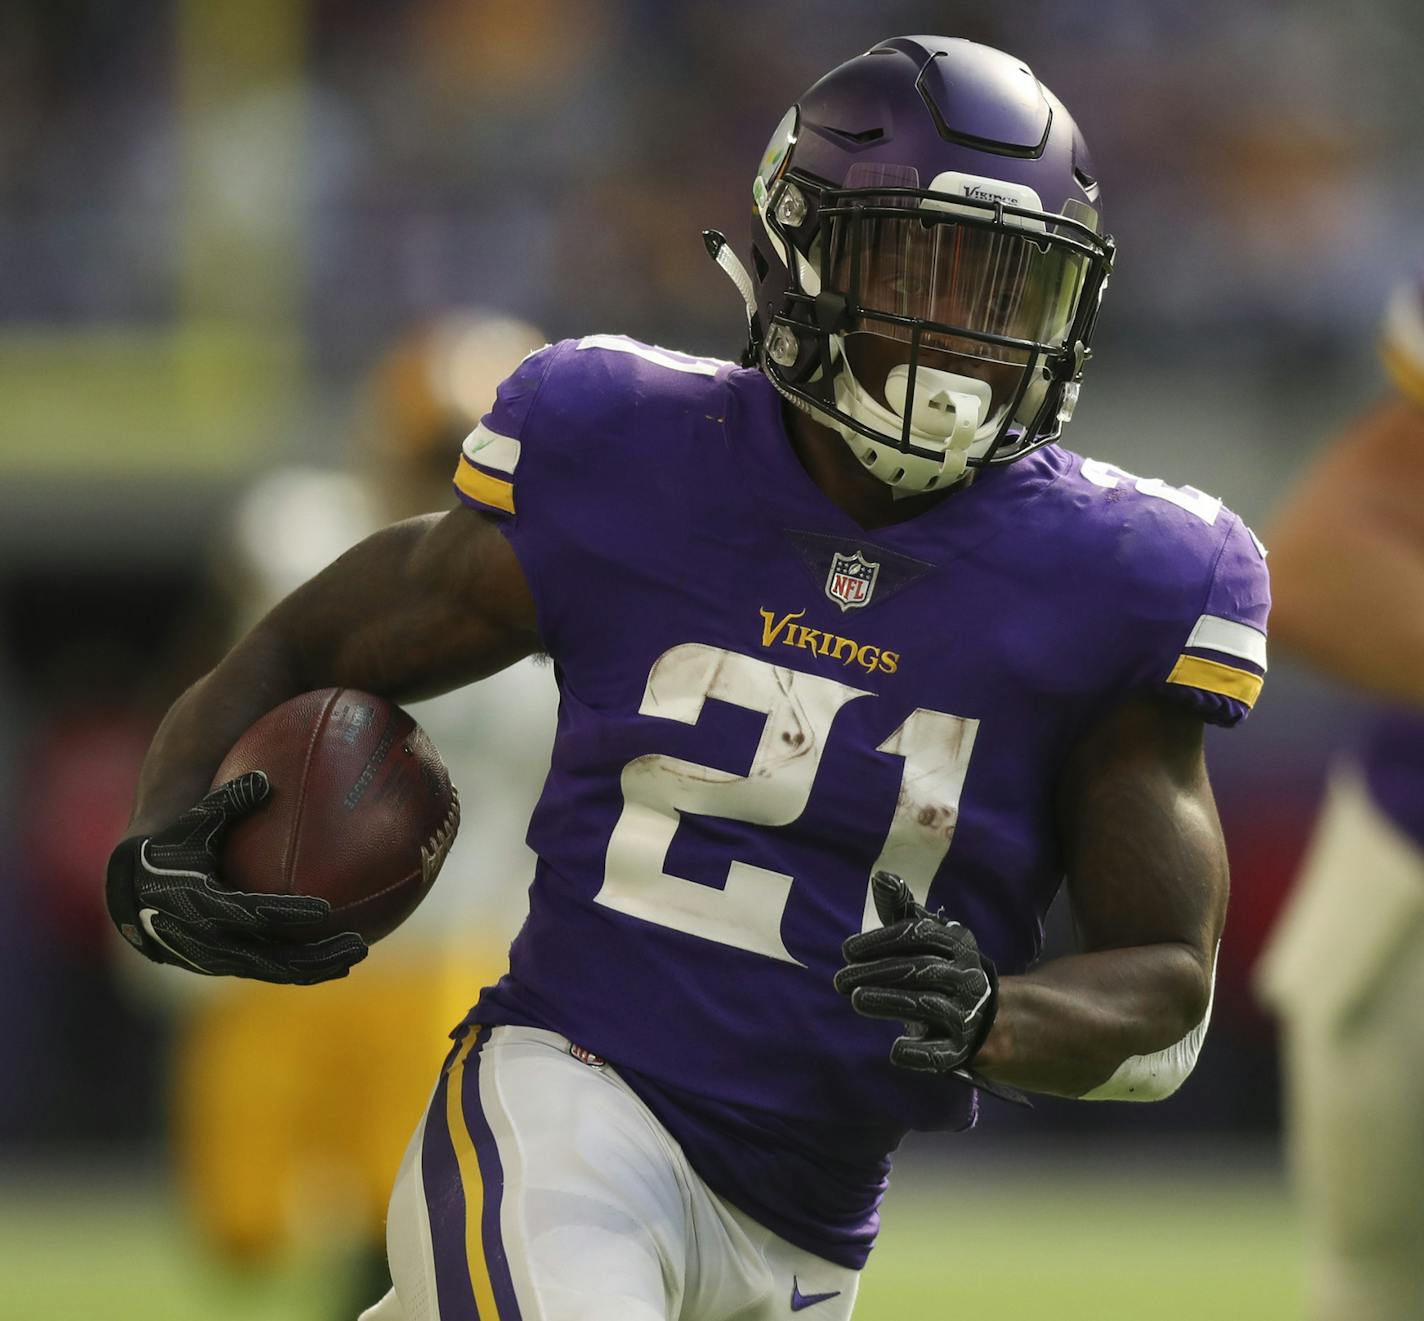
215	219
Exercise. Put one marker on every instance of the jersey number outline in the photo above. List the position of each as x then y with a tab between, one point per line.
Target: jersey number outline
799	710
1197	503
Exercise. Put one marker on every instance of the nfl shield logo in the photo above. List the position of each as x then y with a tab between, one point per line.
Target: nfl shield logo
851	580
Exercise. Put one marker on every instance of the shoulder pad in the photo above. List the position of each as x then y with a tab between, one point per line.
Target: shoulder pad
1194	586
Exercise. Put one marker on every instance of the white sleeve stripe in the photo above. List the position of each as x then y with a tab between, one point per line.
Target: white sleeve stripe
1214	633
659	357
491	450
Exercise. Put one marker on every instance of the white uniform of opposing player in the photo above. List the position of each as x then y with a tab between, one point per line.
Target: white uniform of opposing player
1345	968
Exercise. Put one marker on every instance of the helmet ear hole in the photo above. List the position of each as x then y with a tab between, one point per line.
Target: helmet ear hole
759	262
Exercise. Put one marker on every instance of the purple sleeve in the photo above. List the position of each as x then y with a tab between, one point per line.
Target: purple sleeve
515	468
487	473
585	441
1216	663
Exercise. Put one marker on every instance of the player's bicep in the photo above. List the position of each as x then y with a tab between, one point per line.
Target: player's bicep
1146	860
416	609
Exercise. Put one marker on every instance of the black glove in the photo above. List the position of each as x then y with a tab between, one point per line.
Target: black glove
928	972
167	902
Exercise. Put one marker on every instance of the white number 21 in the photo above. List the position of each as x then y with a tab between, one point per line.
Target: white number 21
799	710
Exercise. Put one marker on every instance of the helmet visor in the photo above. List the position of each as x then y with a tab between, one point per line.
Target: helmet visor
961	281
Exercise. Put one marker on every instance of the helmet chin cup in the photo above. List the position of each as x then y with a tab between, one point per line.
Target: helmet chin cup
946	413
945	405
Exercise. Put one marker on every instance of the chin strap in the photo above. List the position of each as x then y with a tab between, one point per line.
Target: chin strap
721	252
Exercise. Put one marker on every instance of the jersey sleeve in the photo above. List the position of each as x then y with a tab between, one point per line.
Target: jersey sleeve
520	467
488	470
582	461
1216	663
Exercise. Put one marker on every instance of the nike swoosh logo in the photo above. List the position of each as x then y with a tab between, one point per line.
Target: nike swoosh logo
145	917
801	1301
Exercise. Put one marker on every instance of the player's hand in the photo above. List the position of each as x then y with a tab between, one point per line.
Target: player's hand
1402	340
926	971
165	897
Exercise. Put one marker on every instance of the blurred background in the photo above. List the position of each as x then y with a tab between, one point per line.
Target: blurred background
241	245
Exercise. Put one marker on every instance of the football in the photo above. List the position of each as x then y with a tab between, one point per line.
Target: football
361	812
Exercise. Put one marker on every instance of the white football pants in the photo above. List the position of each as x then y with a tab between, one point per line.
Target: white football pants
539	1187
1345	972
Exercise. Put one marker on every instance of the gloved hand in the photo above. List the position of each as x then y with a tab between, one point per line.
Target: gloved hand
1402	337
929	973
167	901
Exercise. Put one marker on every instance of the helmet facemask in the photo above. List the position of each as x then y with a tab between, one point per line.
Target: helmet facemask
935	329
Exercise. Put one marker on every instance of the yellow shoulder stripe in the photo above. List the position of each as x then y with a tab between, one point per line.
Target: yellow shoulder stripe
484	488
1214	677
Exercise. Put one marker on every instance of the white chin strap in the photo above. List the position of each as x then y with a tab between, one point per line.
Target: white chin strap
946	415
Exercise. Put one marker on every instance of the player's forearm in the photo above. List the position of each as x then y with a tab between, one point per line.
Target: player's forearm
258	674
342	628
298	646
1067	1026
414	610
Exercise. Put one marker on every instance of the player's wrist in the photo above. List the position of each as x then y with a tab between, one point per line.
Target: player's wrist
121	896
995	1052
990	1012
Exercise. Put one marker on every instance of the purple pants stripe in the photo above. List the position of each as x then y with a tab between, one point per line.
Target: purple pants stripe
464	1188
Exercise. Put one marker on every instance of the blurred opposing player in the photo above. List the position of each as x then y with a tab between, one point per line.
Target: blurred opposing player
843	639
1345	968
324	1088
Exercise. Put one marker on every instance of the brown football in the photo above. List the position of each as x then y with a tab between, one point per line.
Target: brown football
361	813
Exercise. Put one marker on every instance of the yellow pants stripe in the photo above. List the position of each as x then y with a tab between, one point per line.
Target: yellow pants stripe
470	1178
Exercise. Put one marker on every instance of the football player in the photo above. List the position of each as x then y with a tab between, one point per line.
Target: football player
1345	967
855	665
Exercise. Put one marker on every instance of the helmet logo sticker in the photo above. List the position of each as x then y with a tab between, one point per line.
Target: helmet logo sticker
978	188
851	580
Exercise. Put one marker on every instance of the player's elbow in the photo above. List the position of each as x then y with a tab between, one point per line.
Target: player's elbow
1152	1077
1193	991
1156	1075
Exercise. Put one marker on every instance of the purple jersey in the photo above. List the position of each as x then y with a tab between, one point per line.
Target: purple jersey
1393	761
762	704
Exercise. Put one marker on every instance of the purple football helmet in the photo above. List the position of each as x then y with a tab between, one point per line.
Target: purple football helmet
927	259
